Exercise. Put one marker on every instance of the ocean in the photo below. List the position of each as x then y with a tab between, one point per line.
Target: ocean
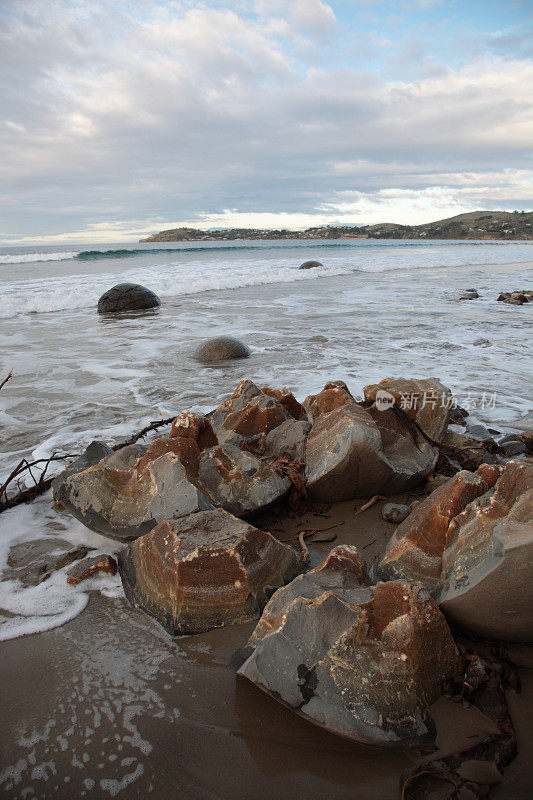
377	308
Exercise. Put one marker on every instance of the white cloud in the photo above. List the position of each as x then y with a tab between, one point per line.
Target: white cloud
313	16
115	115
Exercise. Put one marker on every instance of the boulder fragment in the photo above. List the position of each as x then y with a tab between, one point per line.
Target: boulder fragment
364	662
89	566
204	571
471	543
240	482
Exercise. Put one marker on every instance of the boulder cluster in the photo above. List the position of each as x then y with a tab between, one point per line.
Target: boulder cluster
516	298
361	654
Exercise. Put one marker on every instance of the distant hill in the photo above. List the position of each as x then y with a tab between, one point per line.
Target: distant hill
474	225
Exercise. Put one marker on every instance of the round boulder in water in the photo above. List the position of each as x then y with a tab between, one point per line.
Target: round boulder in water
127	297
310	265
221	348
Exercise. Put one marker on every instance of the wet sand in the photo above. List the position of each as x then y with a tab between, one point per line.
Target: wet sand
108	705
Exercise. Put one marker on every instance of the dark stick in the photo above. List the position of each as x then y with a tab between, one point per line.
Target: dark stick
42	485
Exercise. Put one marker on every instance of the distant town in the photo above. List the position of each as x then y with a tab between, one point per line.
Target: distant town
474	225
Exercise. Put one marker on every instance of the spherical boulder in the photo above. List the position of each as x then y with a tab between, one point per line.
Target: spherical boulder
221	348
127	297
310	265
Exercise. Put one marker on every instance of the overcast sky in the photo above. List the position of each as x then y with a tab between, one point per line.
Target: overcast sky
119	119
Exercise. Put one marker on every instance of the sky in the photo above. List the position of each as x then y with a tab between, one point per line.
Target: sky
120	119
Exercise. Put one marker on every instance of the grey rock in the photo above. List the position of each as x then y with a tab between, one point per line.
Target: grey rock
289	437
240	482
127	493
395	512
364	662
482	343
221	348
514	448
310	265
127	297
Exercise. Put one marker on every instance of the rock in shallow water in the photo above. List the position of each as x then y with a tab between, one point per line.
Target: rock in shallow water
204	571
127	297
221	348
471	543
364	662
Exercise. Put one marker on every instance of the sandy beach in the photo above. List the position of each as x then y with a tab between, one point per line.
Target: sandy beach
110	705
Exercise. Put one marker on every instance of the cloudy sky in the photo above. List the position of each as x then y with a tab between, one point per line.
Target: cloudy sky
120	118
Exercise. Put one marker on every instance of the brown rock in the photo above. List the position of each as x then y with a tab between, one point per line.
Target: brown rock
468	452
188	425
333	395
249	428
474	553
416	548
89	566
364	662
237	401
287	400
426	401
204	571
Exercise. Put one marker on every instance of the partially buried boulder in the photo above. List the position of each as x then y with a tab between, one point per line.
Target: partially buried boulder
310	265
127	297
221	348
204	571
364	662
471	543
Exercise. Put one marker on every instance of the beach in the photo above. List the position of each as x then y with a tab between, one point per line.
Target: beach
99	700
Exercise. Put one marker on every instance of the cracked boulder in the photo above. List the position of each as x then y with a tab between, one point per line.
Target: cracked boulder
240	482
126	493
471	543
364	662
204	571
359	451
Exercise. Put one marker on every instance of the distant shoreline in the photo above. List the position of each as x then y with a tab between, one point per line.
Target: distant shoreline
474	226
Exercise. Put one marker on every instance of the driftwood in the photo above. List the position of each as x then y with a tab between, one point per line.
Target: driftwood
9	375
42	483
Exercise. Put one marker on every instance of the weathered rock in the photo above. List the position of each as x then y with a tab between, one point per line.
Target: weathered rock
127	297
488	561
516	298
128	492
94	453
188	425
334	395
239	481
416	547
471	543
287	400
466	450
353	451
204	571
526	438
514	447
482	342
426	401
395	512
310	265
42	568
89	566
221	348
364	662
470	294
237	401
288	438
249	428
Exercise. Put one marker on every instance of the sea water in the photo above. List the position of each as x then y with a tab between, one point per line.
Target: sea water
375	309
